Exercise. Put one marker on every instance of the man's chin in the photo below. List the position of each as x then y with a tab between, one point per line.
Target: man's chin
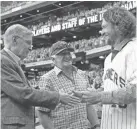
110	41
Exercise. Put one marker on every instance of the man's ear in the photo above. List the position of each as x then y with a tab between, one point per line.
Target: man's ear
117	29
14	40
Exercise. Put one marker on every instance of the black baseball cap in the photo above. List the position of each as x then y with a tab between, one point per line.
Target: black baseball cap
60	46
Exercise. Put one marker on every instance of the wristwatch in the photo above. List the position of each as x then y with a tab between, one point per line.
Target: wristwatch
95	126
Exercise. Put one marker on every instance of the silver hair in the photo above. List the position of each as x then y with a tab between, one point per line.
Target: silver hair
15	30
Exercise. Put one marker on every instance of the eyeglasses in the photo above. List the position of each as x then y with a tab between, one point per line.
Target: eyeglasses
26	41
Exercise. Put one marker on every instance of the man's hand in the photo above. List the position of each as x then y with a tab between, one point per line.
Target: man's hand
127	94
78	94
91	97
69	99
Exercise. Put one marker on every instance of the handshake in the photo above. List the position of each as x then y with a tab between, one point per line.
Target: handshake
90	97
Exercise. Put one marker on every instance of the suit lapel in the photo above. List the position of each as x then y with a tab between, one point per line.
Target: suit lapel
7	55
21	72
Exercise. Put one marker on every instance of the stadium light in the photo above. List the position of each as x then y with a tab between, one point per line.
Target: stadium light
20	15
32	69
87	62
82	62
59	3
74	36
101	57
37	11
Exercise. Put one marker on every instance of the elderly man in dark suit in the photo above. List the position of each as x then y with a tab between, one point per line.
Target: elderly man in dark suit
17	96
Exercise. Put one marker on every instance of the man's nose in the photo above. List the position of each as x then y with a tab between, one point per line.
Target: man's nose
68	56
31	46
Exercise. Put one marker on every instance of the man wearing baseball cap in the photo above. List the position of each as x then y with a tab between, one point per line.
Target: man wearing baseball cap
65	78
59	47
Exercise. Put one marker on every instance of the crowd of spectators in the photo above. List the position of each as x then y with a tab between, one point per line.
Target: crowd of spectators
95	74
53	19
9	5
42	54
36	55
81	45
80	12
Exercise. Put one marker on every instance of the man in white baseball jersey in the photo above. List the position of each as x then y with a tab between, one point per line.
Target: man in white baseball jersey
120	72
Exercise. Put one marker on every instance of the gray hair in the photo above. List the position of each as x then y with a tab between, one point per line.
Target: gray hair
15	30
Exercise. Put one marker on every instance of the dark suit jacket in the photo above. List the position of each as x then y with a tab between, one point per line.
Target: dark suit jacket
18	97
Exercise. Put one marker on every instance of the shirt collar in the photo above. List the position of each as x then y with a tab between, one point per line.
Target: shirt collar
58	70
119	46
15	58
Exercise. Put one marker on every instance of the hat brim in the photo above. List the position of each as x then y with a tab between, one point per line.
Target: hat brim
69	49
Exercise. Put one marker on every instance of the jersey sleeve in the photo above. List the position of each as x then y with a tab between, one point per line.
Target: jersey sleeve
131	64
127	94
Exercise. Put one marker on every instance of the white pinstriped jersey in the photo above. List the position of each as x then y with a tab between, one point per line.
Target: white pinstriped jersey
116	73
